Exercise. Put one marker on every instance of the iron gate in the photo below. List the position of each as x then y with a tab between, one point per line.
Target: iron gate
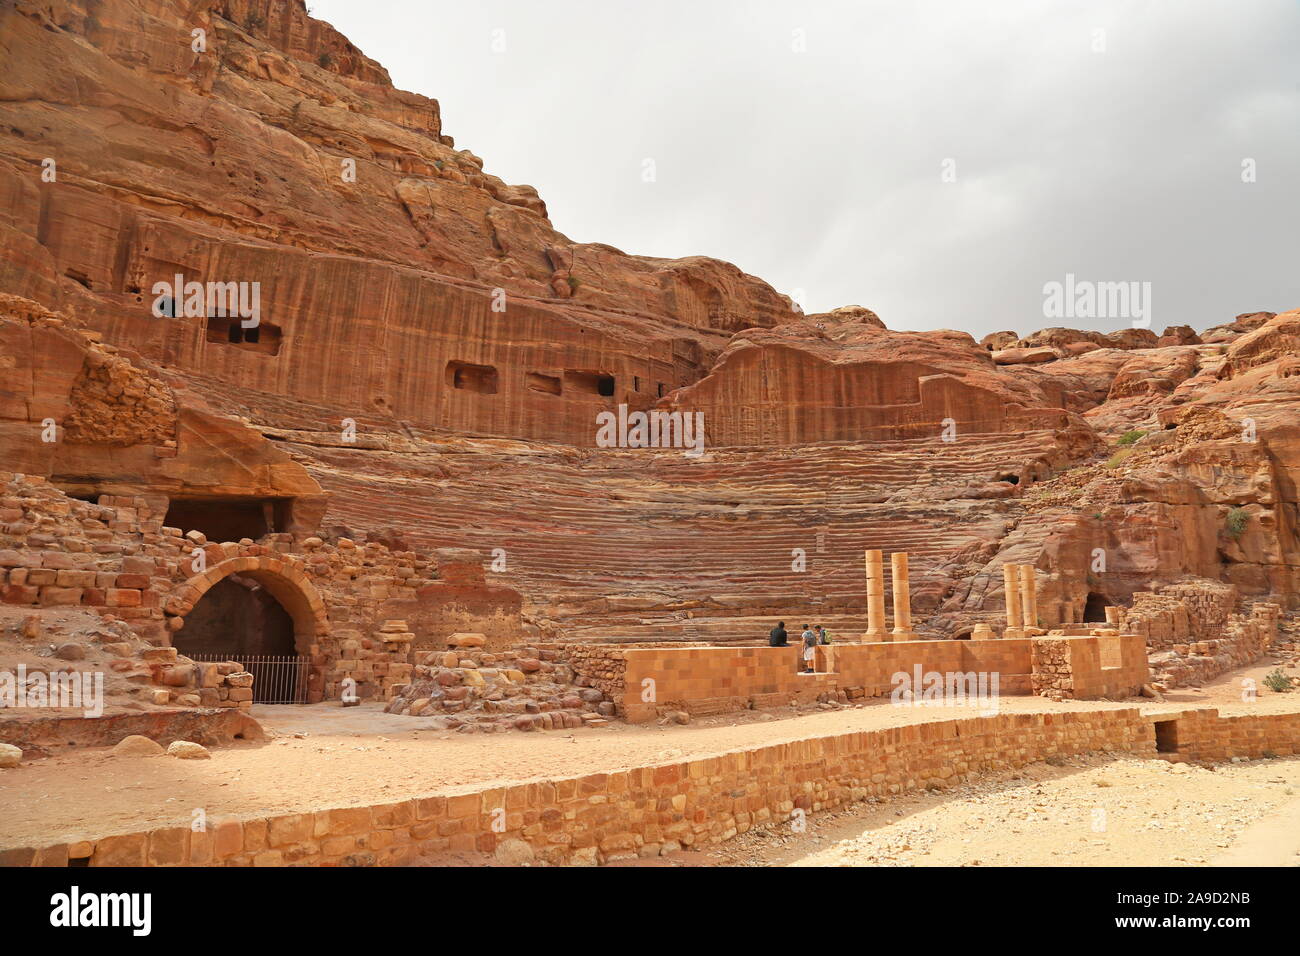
277	678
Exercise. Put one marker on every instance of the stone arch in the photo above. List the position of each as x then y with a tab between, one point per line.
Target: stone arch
284	582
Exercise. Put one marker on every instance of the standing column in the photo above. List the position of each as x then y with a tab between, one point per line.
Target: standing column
1029	594
875	597
902	598
1011	588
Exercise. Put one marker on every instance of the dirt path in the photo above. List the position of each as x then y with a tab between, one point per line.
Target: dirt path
1091	811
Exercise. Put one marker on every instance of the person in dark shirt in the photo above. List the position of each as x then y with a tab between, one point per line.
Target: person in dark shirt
777	637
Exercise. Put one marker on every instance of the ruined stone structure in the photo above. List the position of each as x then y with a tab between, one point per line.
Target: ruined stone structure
408	432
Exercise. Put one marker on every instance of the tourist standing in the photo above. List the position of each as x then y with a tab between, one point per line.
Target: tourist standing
809	649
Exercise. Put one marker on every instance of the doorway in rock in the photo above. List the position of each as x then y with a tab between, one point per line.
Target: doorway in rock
1094	611
239	620
229	519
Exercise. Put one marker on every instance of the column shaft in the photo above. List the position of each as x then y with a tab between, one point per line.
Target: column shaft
1011	586
902	597
1029	594
876	630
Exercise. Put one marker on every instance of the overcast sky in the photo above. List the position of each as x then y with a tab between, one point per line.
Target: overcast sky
807	141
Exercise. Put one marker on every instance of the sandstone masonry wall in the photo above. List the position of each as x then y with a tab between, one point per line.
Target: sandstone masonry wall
1194	633
652	810
115	556
711	680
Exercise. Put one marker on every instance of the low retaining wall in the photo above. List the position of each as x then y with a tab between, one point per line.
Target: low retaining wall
1205	737
651	810
711	680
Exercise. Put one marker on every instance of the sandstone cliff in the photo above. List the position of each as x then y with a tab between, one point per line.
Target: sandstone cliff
470	344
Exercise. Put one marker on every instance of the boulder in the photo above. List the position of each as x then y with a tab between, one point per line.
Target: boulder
188	750
137	745
10	756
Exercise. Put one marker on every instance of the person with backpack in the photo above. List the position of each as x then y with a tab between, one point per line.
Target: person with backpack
823	635
777	637
809	649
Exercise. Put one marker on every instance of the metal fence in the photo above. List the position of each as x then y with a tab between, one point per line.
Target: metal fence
277	678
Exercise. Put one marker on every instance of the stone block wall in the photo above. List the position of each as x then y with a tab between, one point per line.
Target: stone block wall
710	680
1194	633
643	811
1206	737
1180	613
657	809
1088	668
116	557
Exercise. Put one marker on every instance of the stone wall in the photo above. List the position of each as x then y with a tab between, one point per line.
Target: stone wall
643	811
1073	668
1194	633
652	810
1205	737
115	556
710	680
1179	613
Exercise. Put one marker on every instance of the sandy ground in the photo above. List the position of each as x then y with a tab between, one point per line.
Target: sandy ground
1090	811
328	756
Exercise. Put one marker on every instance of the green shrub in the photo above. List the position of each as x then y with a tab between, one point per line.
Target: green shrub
1237	521
1130	437
325	60
1119	456
1278	682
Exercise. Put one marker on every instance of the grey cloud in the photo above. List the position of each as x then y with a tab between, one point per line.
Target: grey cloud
820	170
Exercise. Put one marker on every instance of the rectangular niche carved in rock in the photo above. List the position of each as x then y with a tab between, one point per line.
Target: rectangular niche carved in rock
229	519
591	383
549	384
472	378
229	330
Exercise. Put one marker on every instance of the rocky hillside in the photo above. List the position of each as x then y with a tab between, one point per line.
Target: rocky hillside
471	345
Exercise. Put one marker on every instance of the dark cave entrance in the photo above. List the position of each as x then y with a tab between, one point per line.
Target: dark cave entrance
229	519
239	620
1094	611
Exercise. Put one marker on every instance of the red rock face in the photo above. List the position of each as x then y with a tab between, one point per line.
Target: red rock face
388	261
432	354
825	379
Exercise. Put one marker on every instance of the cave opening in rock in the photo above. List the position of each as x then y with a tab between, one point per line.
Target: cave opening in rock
262	337
228	519
1094	611
1009	478
237	619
